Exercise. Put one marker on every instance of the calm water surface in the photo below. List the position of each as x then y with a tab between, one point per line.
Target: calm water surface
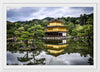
53	52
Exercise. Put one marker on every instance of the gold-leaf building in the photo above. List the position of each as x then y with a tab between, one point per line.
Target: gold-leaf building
55	28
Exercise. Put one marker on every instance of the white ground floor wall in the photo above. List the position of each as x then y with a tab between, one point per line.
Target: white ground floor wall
64	34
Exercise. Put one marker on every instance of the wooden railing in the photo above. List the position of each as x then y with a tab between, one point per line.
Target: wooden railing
57	38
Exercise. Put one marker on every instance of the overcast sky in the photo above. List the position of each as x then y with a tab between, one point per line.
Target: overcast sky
29	13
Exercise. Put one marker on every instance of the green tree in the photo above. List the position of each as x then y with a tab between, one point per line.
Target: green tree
90	21
36	33
25	36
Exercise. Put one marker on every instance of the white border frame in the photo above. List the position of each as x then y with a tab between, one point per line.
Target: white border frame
64	68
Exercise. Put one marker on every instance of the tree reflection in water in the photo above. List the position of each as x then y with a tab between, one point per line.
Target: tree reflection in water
25	58
52	48
36	61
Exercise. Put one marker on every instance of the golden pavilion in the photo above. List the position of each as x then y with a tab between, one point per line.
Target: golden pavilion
56	47
55	28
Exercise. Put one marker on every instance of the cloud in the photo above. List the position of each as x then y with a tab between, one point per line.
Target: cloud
20	13
29	13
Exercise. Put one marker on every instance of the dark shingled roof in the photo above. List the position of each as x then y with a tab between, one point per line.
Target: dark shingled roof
55	20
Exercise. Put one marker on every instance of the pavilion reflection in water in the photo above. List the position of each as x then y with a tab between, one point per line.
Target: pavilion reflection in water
55	47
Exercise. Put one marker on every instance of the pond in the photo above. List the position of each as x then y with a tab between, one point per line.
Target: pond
53	52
